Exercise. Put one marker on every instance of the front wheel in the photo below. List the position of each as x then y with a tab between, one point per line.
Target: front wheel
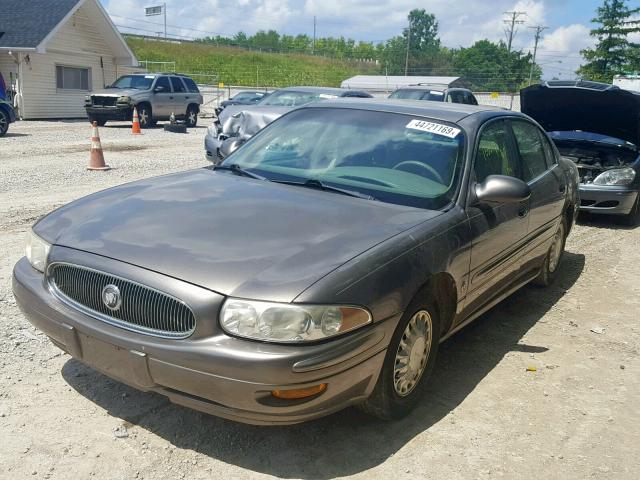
408	363
552	261
4	123
191	118
145	116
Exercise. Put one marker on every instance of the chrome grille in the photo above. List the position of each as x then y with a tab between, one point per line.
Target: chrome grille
143	309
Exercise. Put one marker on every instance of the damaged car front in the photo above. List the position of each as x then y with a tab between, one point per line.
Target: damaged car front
237	123
596	126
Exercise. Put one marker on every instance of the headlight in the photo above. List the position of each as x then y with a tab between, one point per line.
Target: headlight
124	99
617	176
278	322
37	251
212	130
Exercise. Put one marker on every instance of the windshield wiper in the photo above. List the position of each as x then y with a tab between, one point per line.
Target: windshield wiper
238	170
317	184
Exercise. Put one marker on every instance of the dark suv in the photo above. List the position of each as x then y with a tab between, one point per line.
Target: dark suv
436	93
155	95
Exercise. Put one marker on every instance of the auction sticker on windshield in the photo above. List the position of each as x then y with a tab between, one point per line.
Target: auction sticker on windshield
436	128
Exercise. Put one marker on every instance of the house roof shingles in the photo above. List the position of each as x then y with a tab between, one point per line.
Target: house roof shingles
24	24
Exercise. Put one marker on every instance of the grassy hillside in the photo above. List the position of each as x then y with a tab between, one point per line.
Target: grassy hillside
235	66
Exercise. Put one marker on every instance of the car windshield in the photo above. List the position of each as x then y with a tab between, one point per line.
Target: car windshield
288	98
418	94
139	82
246	96
391	157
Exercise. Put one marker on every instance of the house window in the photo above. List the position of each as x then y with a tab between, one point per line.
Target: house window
72	78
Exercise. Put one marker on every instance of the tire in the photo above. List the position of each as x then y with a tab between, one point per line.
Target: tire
4	123
100	121
388	401
145	116
191	118
552	261
633	217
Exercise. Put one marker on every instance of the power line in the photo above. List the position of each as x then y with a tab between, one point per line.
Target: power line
539	29
511	30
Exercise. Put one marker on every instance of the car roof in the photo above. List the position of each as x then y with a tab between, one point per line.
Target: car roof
328	90
155	74
431	86
447	112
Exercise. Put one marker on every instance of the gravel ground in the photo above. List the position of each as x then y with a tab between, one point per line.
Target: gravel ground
576	416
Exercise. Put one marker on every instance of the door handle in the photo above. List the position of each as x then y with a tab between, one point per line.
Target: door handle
170	98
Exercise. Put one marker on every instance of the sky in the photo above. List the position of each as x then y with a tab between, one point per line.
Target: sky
461	22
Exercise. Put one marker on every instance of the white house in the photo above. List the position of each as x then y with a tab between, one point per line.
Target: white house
52	52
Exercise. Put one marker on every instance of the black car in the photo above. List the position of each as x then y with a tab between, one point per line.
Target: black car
596	126
435	93
247	97
318	267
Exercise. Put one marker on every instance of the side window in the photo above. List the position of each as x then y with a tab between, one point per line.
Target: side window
470	99
457	96
178	87
164	82
191	85
549	152
530	148
493	156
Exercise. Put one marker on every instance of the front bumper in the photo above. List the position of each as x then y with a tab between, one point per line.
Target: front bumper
607	199
212	148
211	371
110	113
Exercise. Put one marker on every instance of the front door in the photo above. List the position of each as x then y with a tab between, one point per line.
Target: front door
499	230
162	100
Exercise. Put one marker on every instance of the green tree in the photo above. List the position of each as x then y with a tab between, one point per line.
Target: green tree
425	52
490	66
614	53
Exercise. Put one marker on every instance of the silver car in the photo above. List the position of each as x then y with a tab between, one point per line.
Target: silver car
156	97
237	123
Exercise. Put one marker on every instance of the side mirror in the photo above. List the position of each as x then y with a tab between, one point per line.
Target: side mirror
159	89
502	189
229	146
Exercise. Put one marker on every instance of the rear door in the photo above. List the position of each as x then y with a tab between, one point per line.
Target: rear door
181	97
499	230
545	178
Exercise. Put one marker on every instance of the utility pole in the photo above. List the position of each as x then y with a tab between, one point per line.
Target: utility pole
539	29
164	9
313	48
406	59
511	23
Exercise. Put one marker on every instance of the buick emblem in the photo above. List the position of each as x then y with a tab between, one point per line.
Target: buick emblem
111	297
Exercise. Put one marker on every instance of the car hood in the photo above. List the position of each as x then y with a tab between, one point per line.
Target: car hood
234	235
611	112
245	121
590	139
118	92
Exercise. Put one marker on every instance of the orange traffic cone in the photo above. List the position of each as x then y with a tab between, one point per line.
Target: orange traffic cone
96	159
135	126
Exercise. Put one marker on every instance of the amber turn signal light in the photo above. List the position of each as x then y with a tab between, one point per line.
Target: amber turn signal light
299	392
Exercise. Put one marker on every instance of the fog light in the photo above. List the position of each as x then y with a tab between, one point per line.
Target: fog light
299	392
